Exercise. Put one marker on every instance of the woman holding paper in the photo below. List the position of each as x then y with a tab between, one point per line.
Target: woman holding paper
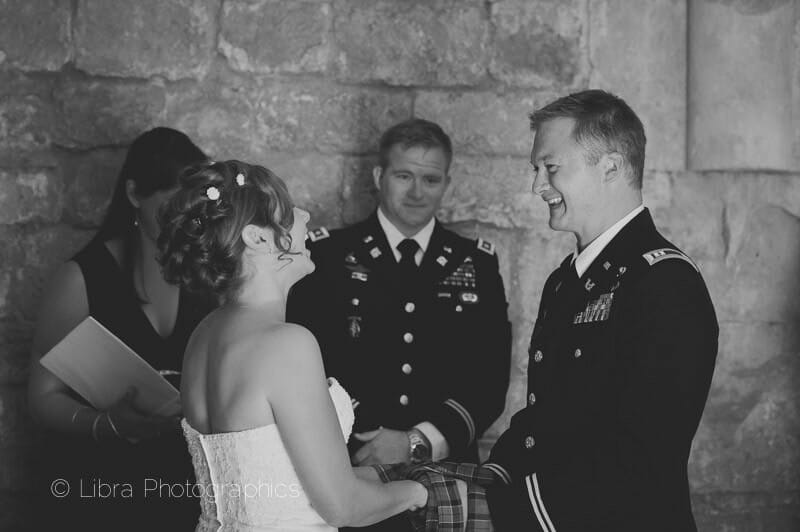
116	280
266	432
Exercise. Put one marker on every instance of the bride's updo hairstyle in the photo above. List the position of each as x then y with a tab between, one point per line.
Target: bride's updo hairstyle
200	243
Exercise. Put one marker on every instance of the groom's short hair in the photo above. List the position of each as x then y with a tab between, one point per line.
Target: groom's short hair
604	123
412	133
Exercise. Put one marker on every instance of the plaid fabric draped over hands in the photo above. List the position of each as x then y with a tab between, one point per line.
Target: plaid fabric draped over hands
445	509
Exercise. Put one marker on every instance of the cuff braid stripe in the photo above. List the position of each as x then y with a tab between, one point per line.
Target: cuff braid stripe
455	405
535	497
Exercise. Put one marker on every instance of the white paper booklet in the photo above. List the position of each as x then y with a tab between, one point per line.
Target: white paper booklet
100	367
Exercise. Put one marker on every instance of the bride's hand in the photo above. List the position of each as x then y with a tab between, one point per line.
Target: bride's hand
420	499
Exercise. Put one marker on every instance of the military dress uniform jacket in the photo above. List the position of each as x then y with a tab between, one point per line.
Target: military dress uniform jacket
620	365
435	347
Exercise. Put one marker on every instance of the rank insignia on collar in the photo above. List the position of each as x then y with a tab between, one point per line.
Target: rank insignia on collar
596	310
606	265
359	276
622	270
375	252
486	246
318	234
354	326
441	260
447	249
589	285
367	239
350	259
468	297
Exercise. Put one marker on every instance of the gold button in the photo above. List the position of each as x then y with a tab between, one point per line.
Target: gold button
410	307
578	353
404	400
538	356
408	338
531	398
355	301
529	442
407	369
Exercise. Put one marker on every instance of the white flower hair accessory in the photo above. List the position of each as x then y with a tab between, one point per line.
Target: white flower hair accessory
212	193
240	179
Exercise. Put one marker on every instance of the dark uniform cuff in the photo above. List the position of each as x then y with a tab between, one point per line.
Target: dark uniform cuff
456	423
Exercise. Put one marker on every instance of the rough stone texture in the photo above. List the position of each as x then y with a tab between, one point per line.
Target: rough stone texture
272	36
759	134
36	35
653	80
30	195
102	113
359	196
539	43
173	38
442	42
27	119
484	122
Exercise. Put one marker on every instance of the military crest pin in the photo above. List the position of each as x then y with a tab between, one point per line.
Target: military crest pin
367	239
375	252
441	260
468	297
350	259
354	326
589	285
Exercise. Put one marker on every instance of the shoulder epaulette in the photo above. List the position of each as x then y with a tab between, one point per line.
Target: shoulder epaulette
318	234
657	255
486	246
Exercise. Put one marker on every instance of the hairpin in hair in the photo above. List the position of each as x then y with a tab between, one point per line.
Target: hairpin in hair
212	193
240	179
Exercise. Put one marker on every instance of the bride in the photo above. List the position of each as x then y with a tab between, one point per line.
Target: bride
266	431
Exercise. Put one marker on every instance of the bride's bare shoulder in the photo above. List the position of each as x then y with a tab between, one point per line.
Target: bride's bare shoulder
287	341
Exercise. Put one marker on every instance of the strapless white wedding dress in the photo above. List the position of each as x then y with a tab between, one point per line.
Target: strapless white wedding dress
246	481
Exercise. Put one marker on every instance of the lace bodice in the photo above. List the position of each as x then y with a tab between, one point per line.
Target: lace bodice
246	481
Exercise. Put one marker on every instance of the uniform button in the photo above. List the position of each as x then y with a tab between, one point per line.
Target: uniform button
355	301
408	338
538	356
531	398
529	442
410	307
459	308
578	353
407	369
404	400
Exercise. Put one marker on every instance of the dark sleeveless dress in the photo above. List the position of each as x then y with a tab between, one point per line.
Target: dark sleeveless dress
116	484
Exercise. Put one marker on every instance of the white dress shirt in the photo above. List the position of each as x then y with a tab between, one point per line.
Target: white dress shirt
439	447
582	260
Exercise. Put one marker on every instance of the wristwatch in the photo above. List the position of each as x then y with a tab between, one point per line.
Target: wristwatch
418	447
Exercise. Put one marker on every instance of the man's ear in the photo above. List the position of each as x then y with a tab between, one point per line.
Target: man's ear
377	172
130	191
257	238
612	165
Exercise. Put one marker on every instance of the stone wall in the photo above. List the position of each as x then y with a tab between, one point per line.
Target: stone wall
306	86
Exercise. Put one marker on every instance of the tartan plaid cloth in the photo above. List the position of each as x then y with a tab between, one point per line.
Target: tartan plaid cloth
445	510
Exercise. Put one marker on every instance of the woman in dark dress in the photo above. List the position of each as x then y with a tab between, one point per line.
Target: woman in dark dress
125	469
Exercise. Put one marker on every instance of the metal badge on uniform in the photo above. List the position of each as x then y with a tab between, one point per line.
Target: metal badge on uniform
351	258
468	297
367	239
596	310
447	295
441	260
486	246
375	252
359	276
354	326
622	270
589	285
447	249
606	265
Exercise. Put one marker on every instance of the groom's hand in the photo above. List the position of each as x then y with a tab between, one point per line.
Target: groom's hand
383	446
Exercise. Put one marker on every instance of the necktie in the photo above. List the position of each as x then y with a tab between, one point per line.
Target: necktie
408	249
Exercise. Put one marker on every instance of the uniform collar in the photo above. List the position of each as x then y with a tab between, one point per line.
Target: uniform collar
394	236
585	258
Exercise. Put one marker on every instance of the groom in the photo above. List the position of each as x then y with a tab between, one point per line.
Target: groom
622	352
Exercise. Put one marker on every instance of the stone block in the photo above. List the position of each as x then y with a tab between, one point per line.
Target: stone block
30	195
483	123
496	191
106	113
652	80
359	195
27	116
746	512
91	177
170	38
444	42
16	425
267	36
751	75
314	182
36	35
539	43
15	342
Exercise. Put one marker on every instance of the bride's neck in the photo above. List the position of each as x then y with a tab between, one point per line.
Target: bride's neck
262	293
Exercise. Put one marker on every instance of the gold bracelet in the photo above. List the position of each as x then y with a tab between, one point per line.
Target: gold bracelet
78	411
94	426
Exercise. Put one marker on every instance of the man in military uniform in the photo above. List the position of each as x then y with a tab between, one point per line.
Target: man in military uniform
623	350
411	318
